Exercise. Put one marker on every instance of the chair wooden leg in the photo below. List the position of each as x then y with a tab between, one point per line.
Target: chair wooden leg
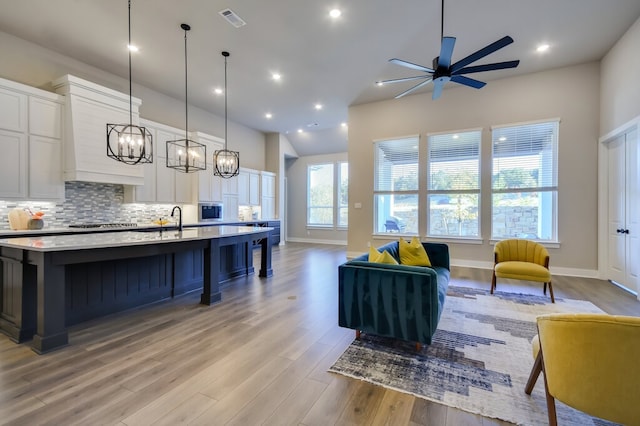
535	373
553	300
551	402
357	334
418	346
544	289
493	282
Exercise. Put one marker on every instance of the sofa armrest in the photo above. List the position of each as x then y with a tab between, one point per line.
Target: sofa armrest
438	254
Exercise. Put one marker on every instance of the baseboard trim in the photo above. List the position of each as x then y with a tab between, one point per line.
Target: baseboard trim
316	241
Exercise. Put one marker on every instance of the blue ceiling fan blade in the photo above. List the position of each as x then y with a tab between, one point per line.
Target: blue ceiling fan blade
446	52
487	50
437	88
416	87
468	81
400	80
488	67
410	65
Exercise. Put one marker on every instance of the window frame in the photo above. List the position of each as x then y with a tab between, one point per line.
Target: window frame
552	190
336	175
310	168
477	191
415	139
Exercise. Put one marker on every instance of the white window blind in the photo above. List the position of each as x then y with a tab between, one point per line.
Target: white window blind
524	181
525	157
396	165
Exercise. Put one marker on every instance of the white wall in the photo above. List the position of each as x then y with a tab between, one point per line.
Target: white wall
297	201
30	64
620	82
571	94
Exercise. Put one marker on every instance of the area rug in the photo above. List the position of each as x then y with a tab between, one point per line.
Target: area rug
479	361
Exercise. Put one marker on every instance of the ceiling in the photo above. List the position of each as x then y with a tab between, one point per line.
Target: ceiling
334	62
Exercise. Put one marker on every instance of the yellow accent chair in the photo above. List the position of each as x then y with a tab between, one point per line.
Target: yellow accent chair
522	260
589	362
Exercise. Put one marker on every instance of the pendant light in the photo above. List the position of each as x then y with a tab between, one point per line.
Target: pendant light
185	155
129	143
226	163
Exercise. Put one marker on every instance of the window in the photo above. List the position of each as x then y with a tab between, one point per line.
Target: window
328	194
396	186
453	184
343	194
320	195
524	181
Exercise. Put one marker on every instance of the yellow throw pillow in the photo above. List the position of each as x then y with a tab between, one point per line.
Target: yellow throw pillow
384	257
413	253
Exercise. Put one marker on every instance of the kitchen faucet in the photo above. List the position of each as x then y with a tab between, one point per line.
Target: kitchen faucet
179	216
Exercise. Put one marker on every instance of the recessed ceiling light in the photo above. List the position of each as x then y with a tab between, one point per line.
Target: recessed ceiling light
217	91
300	130
455	136
542	48
132	47
343	124
318	106
268	115
276	76
335	13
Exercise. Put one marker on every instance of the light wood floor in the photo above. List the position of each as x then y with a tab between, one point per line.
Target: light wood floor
258	357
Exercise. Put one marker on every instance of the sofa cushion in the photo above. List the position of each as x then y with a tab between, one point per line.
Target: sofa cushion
413	253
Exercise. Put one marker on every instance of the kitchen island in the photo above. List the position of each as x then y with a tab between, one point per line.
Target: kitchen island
51	282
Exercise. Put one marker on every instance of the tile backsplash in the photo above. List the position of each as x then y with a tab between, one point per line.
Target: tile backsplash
88	202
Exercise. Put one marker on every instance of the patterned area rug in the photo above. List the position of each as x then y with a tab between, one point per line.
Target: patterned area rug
479	361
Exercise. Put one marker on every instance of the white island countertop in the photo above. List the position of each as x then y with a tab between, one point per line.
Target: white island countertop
126	238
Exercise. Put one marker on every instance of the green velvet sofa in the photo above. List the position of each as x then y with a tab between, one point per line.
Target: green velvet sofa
399	301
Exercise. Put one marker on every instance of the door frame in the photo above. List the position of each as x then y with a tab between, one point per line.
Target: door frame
603	192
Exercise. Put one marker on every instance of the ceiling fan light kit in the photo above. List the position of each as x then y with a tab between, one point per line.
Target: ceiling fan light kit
185	155
226	163
129	143
443	71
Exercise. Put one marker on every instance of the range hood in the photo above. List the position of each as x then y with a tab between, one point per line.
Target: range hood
88	109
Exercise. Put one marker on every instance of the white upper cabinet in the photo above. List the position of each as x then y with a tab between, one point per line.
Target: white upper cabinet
268	195
13	164
161	184
31	131
13	108
248	187
206	186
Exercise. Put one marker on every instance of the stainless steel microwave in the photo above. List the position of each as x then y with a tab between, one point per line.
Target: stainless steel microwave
210	211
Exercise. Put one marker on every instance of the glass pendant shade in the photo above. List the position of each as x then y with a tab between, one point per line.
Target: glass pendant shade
226	164
129	143
185	155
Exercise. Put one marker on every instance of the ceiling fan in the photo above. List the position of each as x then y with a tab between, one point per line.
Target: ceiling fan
443	71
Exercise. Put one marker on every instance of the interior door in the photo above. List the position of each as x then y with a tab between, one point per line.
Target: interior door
616	210
632	228
624	211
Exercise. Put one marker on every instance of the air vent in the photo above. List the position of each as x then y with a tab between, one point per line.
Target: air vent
232	18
